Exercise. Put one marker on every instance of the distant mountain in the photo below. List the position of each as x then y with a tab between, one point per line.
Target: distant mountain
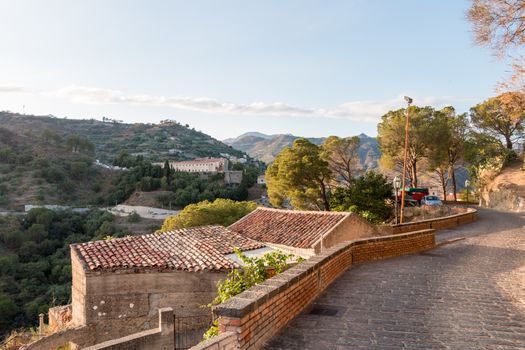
157	142
267	147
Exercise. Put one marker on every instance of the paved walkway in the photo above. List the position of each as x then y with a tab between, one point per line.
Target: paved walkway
465	295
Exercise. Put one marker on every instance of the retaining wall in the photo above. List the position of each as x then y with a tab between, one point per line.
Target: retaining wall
442	223
254	316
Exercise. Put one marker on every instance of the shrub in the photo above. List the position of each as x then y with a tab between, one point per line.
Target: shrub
219	212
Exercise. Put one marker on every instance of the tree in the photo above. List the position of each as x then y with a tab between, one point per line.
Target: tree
500	25
219	212
167	171
8	310
485	155
301	175
342	155
501	117
458	127
422	137
369	197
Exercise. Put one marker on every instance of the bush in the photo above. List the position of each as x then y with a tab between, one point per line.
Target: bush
134	217
219	212
369	197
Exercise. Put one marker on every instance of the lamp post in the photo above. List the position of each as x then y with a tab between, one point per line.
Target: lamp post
409	103
396	183
467	184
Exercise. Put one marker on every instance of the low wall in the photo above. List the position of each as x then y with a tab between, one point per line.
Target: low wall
442	223
78	336
257	314
161	338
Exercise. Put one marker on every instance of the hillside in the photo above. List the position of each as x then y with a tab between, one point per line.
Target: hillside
266	147
157	142
507	190
34	170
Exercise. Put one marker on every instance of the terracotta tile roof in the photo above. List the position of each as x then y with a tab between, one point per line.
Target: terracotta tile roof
221	238
187	250
299	229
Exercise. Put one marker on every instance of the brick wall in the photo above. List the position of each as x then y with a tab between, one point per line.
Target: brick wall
257	314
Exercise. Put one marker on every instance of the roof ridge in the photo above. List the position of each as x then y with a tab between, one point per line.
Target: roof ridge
314	212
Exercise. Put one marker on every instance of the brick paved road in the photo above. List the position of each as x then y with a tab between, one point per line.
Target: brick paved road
465	295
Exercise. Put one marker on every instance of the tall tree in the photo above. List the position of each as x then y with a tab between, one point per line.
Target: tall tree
301	175
500	25
502	117
391	137
167	171
458	127
342	155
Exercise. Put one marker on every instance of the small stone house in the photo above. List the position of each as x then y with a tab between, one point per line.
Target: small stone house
304	233
119	284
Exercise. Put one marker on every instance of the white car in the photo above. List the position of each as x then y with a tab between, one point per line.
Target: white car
431	200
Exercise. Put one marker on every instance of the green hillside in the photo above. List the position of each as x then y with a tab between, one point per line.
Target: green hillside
156	142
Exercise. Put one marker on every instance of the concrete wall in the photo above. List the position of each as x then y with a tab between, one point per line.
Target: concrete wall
259	313
160	338
121	303
352	228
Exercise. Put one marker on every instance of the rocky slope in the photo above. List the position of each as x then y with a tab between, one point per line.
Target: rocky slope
267	147
507	190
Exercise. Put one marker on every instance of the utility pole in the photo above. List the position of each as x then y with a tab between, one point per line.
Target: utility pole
401	216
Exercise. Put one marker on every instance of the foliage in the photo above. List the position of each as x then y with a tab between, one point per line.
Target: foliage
253	271
501	117
486	156
370	197
425	131
134	217
219	212
186	188
499	24
35	269
300	174
342	155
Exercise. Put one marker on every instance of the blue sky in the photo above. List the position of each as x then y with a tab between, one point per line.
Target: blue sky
311	68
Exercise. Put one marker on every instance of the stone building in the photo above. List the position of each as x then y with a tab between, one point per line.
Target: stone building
202	165
305	233
120	284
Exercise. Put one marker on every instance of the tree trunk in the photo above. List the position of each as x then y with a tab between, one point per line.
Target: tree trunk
443	184
454	185
414	175
325	197
508	142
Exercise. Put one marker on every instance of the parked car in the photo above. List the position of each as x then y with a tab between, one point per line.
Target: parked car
431	200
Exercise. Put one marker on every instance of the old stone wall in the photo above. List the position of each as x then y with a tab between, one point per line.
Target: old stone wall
257	314
120	303
59	317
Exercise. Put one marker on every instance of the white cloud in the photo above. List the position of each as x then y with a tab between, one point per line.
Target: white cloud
11	89
365	111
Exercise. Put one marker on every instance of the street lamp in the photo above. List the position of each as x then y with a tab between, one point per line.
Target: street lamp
467	184
396	183
409	103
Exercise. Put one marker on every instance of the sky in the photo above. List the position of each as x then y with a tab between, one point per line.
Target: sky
309	68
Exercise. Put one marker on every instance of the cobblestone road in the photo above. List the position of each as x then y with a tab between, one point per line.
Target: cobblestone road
465	295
